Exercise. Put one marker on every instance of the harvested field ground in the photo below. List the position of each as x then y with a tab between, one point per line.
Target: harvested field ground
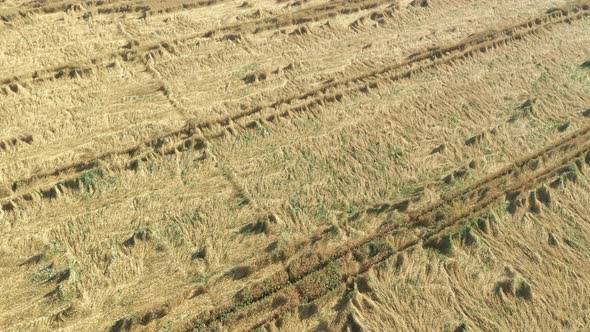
282	165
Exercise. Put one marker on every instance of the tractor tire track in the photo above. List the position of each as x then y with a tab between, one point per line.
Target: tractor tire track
431	223
193	135
105	7
87	66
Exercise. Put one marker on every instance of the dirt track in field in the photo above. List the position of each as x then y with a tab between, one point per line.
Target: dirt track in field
240	165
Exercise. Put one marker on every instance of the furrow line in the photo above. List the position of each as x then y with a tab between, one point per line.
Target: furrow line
195	134
431	220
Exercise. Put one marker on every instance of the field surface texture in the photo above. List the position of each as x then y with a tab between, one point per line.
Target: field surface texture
295	165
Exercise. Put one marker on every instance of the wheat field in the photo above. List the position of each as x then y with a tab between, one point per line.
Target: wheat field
295	165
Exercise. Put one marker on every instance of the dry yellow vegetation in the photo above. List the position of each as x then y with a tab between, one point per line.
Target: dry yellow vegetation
294	165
